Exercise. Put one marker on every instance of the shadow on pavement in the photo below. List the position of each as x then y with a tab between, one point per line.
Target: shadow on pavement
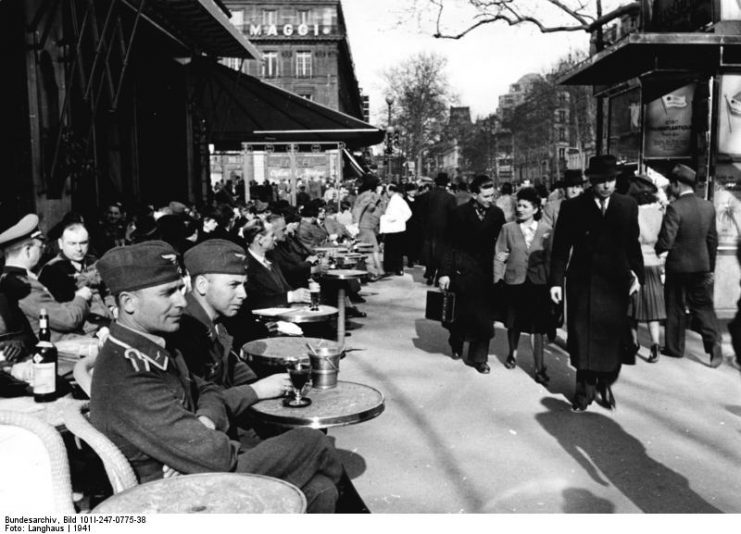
436	444
582	501
613	457
431	337
735	410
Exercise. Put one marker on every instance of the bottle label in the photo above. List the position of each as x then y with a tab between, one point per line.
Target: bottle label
44	378
43	323
314	287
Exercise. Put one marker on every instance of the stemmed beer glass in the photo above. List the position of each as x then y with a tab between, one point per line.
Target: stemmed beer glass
299	371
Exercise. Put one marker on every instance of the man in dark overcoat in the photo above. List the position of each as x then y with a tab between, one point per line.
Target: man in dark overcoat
467	270
688	233
438	205
599	232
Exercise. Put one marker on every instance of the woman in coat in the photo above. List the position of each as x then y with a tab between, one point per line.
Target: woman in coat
393	225
647	305
366	213
521	259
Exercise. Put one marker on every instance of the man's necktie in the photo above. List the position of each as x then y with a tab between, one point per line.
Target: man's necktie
603	205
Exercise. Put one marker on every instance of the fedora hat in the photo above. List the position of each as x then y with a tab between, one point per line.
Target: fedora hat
602	168
572	177
682	173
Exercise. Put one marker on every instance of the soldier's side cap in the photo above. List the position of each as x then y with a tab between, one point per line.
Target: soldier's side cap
682	173
26	228
146	264
217	256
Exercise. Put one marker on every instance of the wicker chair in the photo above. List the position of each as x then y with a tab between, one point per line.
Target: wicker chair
60	476
120	474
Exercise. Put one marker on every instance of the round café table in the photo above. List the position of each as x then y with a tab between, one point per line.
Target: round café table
271	352
347	404
298	314
343	275
208	493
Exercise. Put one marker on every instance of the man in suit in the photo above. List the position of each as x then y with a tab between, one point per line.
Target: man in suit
467	270
438	205
266	284
688	233
597	237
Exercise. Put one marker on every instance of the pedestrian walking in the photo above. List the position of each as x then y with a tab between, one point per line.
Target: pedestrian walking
689	236
393	224
468	271
597	237
506	202
573	186
438	206
522	260
647	304
366	213
414	232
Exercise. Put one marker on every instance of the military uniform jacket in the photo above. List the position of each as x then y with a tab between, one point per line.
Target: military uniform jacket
209	354
147	403
65	318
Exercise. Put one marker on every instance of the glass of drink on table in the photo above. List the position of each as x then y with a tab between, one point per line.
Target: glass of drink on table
299	371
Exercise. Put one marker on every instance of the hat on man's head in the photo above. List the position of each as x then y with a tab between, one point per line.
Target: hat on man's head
146	264
682	173
572	177
602	168
217	256
26	228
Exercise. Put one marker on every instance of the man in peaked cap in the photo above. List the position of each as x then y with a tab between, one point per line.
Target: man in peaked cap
162	417
689	236
22	244
596	236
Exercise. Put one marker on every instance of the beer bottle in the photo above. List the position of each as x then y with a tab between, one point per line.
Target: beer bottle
315	293
44	363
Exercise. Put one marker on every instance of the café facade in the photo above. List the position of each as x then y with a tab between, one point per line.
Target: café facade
667	78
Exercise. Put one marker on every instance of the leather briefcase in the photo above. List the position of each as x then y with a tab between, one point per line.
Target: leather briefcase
440	306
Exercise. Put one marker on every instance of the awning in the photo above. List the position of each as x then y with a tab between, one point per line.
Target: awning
201	23
640	53
240	108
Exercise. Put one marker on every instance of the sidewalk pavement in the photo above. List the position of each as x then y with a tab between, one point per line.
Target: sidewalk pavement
454	441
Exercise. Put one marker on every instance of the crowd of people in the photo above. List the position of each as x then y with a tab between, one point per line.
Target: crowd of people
169	291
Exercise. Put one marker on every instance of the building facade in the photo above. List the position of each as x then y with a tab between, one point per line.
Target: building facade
305	50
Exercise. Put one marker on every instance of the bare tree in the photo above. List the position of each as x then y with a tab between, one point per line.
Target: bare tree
421	98
549	16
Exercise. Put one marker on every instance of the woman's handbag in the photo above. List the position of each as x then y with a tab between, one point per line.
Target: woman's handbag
440	306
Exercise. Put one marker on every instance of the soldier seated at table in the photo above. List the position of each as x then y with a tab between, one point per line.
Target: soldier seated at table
22	245
74	268
217	271
159	414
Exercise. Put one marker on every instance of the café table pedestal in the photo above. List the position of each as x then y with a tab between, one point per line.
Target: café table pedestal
208	493
343	275
346	404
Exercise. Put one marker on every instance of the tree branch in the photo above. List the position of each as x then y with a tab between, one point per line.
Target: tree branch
507	11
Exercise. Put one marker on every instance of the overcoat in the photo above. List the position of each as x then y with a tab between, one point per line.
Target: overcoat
438	206
469	263
604	250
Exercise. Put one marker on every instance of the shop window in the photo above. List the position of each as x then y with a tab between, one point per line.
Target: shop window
303	64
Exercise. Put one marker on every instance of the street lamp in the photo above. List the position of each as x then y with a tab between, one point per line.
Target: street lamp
389	137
